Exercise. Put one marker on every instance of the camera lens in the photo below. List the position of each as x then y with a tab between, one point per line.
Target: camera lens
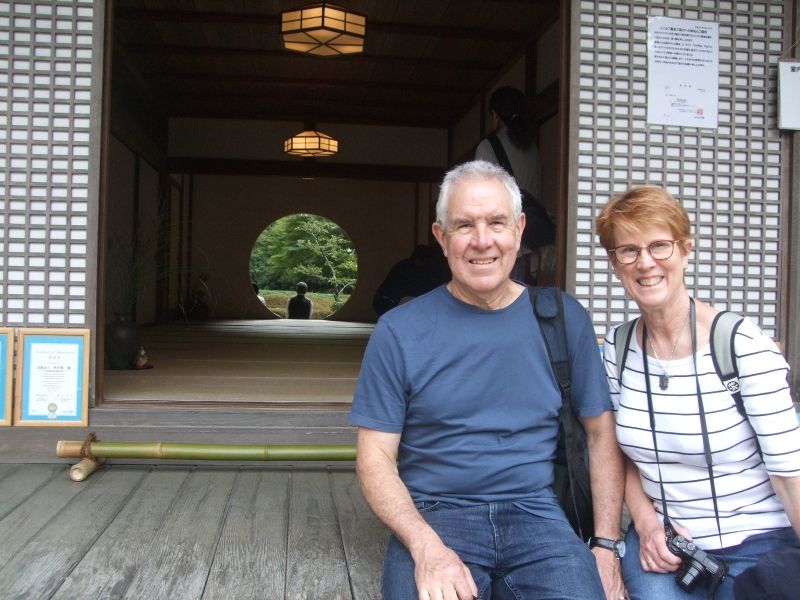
688	575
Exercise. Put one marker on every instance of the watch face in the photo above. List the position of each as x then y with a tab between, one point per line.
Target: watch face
617	546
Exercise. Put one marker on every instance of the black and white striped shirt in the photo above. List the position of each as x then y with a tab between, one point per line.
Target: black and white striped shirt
746	500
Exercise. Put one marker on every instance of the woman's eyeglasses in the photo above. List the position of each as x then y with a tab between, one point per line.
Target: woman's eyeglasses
659	250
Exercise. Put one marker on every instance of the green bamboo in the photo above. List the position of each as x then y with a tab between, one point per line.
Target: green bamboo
190	451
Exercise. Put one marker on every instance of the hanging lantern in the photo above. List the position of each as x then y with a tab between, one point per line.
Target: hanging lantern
324	30
311	143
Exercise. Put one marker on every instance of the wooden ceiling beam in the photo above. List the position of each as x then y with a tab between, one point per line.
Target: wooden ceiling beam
227	18
302	108
304	168
387	118
228	52
305	84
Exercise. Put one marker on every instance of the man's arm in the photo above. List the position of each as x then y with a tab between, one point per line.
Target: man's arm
438	570
607	477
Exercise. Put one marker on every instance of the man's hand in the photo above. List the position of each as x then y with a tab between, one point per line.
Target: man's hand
438	571
441	575
610	574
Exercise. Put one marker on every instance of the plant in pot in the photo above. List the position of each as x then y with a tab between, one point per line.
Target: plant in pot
131	265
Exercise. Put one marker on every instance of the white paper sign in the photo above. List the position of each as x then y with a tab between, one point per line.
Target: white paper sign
789	94
682	72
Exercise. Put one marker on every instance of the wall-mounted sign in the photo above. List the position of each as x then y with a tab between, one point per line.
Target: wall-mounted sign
682	72
788	94
52	377
6	358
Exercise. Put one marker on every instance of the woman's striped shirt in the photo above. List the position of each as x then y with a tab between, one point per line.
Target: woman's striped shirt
746	501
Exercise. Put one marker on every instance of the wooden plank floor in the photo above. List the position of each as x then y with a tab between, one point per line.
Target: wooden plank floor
187	532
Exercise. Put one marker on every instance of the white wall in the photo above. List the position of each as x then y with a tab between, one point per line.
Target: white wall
548	57
467	134
229	212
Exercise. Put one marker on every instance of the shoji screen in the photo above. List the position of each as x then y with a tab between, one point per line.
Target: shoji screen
728	178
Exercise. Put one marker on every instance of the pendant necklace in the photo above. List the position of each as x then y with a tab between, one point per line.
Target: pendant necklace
663	379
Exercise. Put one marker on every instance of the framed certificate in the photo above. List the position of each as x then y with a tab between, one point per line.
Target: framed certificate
52	377
6	362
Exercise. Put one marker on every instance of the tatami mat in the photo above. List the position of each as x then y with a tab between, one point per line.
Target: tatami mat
277	361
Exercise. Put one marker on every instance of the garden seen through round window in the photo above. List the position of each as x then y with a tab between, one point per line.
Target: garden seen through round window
303	249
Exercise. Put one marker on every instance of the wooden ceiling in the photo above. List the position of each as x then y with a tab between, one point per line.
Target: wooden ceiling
424	64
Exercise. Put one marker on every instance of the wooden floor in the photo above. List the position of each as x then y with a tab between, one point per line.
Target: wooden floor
178	532
278	362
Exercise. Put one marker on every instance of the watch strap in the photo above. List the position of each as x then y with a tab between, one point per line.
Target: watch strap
606	543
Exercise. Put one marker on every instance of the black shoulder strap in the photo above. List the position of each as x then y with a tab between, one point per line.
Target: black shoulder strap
500	153
723	332
549	308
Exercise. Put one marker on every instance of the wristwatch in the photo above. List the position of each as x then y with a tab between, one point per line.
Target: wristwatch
617	546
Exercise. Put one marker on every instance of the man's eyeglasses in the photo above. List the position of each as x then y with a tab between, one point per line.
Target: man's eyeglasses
660	250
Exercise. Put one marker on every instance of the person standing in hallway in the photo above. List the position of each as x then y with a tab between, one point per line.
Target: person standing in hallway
511	145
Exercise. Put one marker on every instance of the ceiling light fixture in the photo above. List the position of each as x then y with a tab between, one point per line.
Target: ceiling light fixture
323	29
311	143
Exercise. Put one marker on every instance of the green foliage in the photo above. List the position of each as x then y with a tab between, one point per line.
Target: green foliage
308	248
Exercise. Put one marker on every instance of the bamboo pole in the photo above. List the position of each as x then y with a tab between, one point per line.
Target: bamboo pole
84	468
190	451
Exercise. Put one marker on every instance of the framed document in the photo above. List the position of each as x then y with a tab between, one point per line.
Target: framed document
6	361
52	377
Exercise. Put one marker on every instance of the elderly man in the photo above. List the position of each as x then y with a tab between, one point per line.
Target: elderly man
457	384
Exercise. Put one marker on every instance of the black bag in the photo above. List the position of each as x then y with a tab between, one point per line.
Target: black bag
774	577
540	228
572	473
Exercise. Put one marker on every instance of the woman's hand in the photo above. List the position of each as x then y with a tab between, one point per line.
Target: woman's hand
654	554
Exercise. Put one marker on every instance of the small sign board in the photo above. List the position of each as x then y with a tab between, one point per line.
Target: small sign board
788	94
682	72
52	377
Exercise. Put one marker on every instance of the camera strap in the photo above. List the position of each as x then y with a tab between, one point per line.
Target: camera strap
703	424
653	424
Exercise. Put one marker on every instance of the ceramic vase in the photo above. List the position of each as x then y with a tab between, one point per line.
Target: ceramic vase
122	342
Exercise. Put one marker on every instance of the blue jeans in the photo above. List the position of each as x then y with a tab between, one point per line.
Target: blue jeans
662	586
511	554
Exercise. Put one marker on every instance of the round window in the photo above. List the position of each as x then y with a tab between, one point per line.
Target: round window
303	266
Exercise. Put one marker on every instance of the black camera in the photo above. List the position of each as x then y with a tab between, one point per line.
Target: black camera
696	564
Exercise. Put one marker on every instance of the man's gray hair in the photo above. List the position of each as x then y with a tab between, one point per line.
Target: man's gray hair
476	169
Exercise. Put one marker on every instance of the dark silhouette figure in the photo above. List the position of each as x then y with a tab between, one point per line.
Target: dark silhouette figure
256	292
424	270
299	307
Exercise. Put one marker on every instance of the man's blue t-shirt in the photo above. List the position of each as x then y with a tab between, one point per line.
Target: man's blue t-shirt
474	396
